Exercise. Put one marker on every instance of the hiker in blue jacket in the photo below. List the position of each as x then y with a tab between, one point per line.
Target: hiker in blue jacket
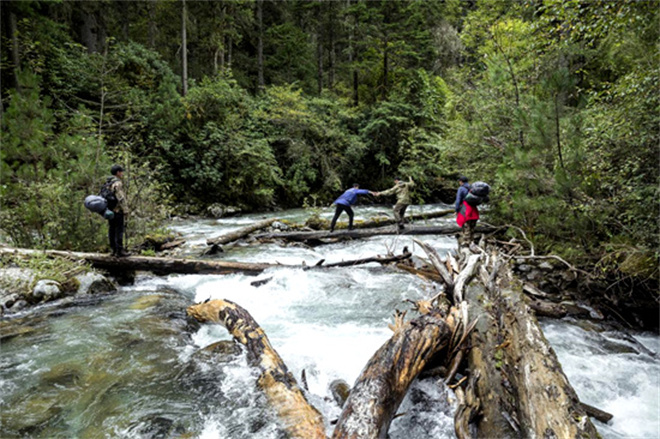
344	203
461	193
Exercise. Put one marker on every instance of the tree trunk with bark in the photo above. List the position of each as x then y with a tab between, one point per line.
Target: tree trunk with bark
240	233
260	46
365	233
300	419
521	388
378	392
150	263
382	220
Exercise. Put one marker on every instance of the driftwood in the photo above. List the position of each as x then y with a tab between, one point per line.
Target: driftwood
386	220
425	274
149	263
449	229
442	270
377	393
240	233
380	259
516	386
597	413
301	420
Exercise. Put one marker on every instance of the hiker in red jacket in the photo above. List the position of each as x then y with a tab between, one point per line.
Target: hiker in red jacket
466	215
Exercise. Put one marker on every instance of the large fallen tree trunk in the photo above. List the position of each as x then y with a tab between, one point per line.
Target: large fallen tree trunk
384	220
240	233
520	387
365	233
301	420
377	393
148	263
188	266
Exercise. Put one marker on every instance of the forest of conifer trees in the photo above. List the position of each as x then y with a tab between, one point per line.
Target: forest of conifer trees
265	104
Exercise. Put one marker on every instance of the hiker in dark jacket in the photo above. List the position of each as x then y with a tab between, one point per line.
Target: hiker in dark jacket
116	225
466	215
344	203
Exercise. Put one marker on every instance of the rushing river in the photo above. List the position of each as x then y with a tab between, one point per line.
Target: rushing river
128	365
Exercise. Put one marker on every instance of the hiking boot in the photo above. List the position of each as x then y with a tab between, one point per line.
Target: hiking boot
122	253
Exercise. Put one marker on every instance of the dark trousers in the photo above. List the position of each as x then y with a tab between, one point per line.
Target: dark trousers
338	210
467	233
116	232
400	213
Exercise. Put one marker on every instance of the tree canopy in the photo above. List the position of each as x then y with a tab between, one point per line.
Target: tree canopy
553	102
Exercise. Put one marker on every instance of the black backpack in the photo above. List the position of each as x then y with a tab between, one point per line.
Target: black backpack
478	194
106	192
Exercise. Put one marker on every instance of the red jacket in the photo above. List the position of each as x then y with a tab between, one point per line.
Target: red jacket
466	213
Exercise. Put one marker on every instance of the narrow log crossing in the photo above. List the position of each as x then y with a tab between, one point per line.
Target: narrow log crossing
365	233
188	266
150	263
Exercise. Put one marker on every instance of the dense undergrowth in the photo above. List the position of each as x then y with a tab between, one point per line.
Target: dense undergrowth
554	103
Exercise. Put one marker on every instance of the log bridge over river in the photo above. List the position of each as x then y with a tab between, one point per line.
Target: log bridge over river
479	336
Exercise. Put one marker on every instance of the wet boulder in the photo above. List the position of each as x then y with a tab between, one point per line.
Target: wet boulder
280	226
218	210
94	283
46	290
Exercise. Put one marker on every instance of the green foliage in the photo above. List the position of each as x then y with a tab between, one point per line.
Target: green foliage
220	158
308	137
554	102
42	267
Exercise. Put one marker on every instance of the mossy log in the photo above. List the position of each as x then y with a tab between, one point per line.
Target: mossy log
240	233
300	419
377	393
149	263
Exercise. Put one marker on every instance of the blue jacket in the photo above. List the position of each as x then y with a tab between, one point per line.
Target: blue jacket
350	196
460	195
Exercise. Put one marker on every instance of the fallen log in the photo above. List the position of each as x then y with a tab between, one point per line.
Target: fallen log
377	393
300	419
149	263
240	233
597	413
447	229
380	259
521	387
188	266
382	221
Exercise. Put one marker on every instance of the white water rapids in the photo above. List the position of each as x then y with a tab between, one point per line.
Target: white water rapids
120	368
